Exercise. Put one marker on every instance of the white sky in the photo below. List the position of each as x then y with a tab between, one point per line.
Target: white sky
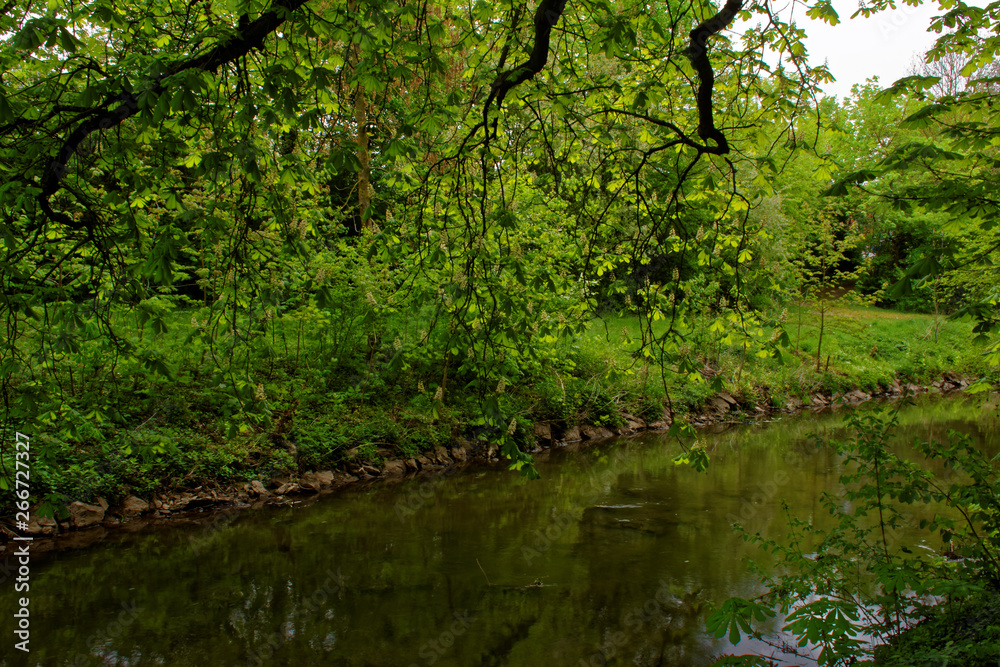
884	45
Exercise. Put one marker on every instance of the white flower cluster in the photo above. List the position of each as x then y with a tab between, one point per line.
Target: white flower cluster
299	227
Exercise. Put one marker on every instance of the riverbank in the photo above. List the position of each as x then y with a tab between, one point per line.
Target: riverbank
85	524
166	451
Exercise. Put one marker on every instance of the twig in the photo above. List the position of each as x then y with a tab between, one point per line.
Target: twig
484	573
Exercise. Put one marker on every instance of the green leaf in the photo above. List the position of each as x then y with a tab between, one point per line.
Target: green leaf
924	117
859	177
68	42
978	387
6	113
824	11
917	83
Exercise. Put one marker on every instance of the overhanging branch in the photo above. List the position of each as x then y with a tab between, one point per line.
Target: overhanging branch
549	12
103	117
697	52
546	16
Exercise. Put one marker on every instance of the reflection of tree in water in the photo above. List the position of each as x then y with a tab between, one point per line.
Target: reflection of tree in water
639	529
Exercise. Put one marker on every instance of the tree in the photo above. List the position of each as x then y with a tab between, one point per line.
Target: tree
167	155
949	167
824	264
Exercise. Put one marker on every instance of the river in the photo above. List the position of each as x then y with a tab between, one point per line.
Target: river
613	557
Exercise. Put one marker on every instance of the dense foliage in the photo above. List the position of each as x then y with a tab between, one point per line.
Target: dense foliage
232	230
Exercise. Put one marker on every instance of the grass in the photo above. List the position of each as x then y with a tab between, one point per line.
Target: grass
863	348
869	346
328	392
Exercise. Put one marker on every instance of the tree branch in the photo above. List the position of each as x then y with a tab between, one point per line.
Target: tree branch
546	16
250	36
697	52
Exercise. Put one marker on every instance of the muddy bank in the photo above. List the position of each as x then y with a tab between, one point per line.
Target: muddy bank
86	524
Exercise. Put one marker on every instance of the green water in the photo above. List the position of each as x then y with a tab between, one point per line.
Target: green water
612	558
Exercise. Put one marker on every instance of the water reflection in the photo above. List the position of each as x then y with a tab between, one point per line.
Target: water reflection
614	557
